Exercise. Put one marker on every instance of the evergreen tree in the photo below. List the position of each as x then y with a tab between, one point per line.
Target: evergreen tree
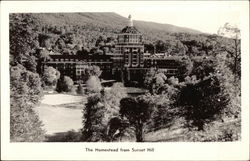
94	125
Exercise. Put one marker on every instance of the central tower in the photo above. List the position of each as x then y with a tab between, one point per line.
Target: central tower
129	47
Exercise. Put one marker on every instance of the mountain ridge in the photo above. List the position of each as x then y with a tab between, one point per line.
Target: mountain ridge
107	19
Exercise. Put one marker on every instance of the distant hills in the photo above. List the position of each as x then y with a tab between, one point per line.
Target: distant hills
108	20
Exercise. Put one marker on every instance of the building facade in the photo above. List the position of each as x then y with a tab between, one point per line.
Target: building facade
127	63
129	47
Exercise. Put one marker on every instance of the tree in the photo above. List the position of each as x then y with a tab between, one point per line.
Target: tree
113	96
111	100
149	48
100	41
89	71
210	92
148	80
185	66
25	93
80	89
165	112
160	47
44	41
174	47
94	127
30	63
203	67
102	109
23	40
203	102
165	93
60	44
138	111
65	84
155	80
232	45
229	86
159	80
93	84
43	55
50	76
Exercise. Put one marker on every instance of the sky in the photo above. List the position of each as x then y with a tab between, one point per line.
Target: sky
207	17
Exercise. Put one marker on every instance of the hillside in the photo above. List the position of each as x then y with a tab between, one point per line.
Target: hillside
108	20
96	32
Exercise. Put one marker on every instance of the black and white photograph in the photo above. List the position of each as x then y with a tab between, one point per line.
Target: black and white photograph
126	75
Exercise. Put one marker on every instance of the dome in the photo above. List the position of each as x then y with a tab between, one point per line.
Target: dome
130	30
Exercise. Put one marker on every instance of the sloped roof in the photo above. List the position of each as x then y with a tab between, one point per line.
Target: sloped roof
130	30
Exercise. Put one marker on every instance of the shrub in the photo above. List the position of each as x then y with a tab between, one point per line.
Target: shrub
93	85
65	84
50	76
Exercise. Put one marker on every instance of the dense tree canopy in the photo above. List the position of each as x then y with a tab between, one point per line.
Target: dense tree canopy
23	40
25	93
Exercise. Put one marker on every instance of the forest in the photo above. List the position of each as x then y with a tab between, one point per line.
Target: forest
204	98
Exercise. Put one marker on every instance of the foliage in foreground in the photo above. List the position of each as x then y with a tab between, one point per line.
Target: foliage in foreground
25	92
101	110
138	112
202	102
216	131
209	93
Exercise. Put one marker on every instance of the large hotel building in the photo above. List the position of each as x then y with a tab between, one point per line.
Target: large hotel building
129	62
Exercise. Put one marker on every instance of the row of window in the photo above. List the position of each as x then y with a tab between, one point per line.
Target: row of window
84	60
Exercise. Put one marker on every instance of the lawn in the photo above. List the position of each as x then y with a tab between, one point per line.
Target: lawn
61	112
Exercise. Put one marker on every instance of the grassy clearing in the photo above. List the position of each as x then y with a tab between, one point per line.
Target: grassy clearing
61	112
59	99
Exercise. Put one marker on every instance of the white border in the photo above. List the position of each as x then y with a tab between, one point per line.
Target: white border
76	151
